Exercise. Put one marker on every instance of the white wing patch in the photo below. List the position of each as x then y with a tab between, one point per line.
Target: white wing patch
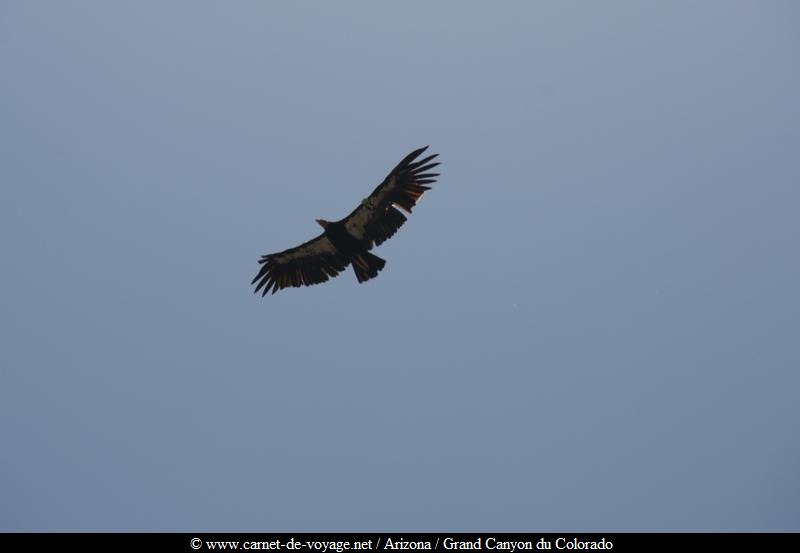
318	246
356	225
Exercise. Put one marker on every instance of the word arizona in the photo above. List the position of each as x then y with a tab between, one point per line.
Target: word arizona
403	544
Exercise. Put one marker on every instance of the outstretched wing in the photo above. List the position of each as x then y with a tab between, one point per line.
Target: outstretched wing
379	216
310	263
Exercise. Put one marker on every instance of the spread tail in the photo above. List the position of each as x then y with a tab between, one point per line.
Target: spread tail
367	266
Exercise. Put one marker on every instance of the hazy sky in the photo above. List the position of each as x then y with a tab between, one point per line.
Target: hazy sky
592	322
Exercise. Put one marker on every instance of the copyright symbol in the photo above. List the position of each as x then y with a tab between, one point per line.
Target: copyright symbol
196	543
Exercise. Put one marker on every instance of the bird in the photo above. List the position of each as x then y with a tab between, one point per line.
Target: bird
348	241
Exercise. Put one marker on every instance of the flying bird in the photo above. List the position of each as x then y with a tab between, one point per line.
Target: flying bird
348	241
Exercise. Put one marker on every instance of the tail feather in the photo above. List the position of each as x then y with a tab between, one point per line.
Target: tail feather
367	266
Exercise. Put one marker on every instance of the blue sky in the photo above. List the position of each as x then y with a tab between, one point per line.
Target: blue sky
590	323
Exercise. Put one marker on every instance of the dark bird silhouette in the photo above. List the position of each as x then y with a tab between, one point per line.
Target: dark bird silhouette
349	240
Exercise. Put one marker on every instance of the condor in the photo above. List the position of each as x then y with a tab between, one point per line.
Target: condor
348	241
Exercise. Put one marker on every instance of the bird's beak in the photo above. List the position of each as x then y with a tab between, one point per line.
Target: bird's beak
323	223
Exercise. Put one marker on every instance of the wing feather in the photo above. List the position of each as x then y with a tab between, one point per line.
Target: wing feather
378	217
309	263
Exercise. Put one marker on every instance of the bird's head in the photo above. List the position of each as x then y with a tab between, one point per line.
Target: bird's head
323	223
